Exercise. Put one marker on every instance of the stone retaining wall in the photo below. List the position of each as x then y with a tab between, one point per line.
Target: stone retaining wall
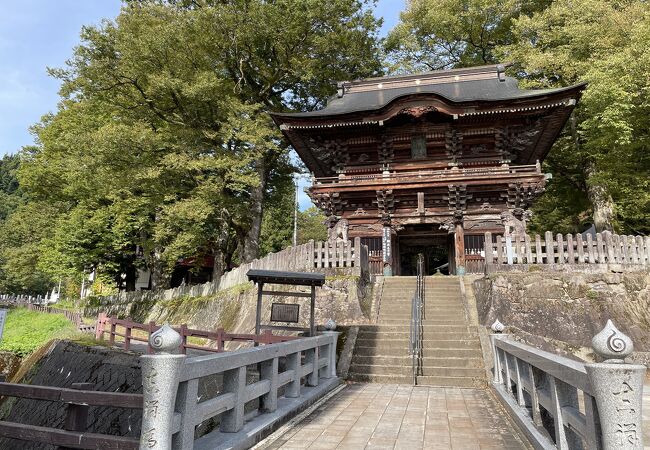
345	298
568	307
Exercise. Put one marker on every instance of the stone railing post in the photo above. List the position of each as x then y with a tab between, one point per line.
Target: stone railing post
618	389
497	330
160	375
330	326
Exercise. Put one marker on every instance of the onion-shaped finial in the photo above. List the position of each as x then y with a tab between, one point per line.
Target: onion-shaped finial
330	325
497	326
611	344
165	340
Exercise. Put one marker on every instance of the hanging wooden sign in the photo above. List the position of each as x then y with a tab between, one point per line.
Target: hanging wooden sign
285	312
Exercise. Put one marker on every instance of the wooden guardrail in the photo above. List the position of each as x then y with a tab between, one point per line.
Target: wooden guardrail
78	401
606	248
72	316
120	328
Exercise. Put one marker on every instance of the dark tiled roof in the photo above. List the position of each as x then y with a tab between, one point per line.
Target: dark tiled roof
279	277
476	84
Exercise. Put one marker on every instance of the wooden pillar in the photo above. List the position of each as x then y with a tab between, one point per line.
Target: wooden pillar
258	314
312	326
459	248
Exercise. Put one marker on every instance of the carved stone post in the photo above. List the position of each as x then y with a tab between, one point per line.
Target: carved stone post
330	326
160	375
618	389
497	328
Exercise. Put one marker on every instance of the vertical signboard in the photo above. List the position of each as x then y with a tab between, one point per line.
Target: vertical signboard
385	244
3	318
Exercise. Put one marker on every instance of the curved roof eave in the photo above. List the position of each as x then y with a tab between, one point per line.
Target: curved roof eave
483	91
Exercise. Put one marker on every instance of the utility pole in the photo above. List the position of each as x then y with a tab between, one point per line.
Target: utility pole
295	215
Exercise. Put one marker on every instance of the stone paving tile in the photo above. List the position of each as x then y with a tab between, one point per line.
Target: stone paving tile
645	410
389	416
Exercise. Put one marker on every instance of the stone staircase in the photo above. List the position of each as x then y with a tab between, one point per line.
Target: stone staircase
451	347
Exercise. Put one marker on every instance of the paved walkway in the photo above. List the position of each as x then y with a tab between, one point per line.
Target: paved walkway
645	410
389	416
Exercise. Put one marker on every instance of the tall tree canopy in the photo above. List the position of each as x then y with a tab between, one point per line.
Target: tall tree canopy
444	34
162	145
602	163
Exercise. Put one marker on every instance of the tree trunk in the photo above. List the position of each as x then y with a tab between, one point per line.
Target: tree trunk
251	243
601	201
158	279
131	276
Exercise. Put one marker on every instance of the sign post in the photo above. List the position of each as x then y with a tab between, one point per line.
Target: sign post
3	319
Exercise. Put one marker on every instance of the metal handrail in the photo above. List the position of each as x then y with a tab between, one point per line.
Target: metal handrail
417	314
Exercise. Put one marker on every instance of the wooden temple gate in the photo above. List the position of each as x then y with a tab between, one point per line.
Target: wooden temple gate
429	162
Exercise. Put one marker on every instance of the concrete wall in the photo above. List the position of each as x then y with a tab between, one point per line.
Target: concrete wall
562	311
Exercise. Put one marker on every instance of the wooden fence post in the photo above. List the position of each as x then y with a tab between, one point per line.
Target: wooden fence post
76	416
99	326
152	328
548	247
127	336
220	337
183	333
487	249
111	337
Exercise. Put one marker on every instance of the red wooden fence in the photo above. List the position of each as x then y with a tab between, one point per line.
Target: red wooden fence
110	325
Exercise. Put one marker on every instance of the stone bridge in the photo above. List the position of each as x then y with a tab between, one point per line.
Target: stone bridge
423	376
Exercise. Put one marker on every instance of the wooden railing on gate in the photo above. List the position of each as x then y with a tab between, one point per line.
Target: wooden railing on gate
110	325
605	248
78	400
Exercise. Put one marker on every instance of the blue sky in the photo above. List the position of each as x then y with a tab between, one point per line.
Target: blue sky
36	34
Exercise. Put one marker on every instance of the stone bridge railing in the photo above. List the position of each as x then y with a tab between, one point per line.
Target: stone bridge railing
173	409
561	403
605	248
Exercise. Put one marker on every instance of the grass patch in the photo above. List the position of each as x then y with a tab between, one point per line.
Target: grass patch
25	331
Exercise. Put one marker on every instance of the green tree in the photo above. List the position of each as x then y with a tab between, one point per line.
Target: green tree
311	225
443	34
603	157
10	194
162	144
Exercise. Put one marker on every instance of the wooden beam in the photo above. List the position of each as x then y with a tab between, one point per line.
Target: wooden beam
287	294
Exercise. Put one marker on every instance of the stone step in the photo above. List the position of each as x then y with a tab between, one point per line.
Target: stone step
450	314
401	352
474	362
456	328
426	371
406	321
463	382
429	345
427	301
428	335
451	306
